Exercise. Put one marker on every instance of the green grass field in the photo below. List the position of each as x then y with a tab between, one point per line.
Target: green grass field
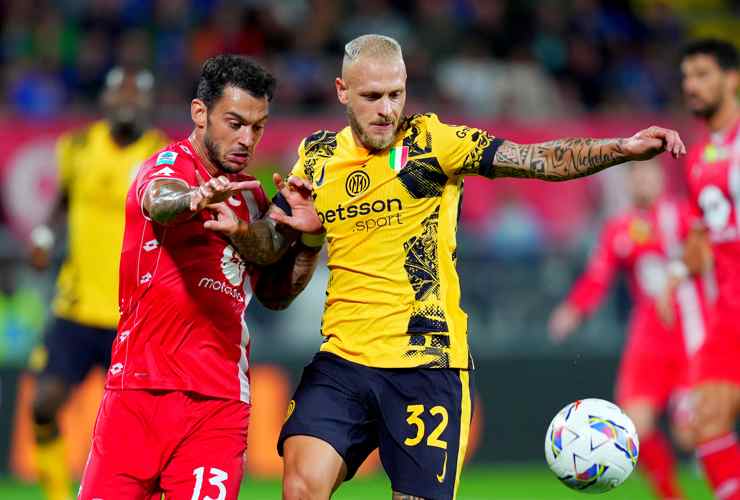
478	483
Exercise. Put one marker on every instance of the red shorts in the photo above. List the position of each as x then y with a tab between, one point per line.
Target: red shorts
146	443
718	359
654	366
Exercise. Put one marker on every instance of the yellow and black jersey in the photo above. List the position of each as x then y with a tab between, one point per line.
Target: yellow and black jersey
393	298
96	173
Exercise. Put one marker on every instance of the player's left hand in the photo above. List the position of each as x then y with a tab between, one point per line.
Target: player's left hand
299	195
226	221
652	141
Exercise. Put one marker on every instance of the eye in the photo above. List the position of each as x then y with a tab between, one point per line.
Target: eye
234	125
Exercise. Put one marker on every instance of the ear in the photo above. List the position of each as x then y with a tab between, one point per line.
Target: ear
342	90
733	82
199	113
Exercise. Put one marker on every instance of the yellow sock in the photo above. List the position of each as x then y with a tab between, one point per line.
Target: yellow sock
53	472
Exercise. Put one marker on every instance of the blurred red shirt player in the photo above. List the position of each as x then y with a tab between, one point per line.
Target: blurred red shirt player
175	413
646	243
710	70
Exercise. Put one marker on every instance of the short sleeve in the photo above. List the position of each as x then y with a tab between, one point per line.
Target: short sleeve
299	169
168	164
463	150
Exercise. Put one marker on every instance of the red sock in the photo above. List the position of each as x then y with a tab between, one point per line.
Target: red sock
721	460
656	461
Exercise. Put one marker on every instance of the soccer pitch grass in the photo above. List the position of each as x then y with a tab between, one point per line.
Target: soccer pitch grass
478	483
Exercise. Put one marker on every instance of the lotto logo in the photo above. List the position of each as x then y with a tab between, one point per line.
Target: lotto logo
146	278
166	171
124	335
116	369
150	245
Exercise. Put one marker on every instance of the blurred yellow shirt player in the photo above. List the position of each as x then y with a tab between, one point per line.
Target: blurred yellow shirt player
96	165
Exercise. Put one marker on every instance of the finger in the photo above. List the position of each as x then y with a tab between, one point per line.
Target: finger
199	178
277	179
214	225
219	208
244	185
223	180
281	217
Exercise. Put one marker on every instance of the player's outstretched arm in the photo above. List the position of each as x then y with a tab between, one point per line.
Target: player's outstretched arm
283	281
171	201
564	159
265	241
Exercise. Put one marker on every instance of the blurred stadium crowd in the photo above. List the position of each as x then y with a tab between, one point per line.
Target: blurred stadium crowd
525	69
528	59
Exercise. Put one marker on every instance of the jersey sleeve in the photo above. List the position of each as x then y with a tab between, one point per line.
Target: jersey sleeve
592	285
169	165
299	169
693	210
463	150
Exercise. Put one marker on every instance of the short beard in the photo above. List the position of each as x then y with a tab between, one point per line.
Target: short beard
367	141
214	154
708	111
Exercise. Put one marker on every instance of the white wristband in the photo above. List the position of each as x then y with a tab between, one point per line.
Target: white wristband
42	237
313	240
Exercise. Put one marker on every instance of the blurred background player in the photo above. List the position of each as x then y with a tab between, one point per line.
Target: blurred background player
96	166
711	75
643	242
176	410
393	372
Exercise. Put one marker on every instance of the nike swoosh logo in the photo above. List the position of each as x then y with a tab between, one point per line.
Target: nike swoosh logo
441	477
320	180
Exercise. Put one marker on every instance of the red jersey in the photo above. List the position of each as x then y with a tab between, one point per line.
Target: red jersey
183	292
714	184
640	243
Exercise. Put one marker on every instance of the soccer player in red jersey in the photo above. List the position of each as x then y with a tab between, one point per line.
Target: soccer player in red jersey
711	73
175	413
643	242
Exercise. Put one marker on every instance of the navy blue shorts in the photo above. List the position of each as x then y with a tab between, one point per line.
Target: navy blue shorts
419	418
72	350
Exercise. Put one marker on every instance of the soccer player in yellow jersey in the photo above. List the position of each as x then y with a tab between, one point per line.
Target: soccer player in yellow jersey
393	371
96	166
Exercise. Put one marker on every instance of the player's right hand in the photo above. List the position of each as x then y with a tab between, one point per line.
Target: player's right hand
216	190
563	322
299	195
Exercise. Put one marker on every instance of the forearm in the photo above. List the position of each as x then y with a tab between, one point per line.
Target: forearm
282	282
558	160
168	203
262	242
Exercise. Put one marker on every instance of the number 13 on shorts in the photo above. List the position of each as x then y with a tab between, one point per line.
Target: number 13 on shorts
216	478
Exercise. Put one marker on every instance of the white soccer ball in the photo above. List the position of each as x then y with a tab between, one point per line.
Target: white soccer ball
592	446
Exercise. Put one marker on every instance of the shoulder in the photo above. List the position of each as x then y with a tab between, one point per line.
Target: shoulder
175	158
321	140
78	138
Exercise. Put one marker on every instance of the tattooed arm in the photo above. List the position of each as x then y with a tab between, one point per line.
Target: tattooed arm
171	201
281	282
564	159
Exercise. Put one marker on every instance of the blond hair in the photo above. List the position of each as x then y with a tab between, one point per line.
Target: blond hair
376	46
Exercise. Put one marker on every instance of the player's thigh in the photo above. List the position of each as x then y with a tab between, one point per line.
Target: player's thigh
331	405
123	462
426	422
209	462
643	413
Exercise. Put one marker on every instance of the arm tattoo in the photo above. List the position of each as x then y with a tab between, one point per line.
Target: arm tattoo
168	202
280	283
558	160
262	242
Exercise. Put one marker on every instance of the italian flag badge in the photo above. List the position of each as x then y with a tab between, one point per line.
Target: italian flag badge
398	157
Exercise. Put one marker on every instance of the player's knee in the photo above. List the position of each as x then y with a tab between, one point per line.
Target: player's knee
710	426
643	416
48	399
305	484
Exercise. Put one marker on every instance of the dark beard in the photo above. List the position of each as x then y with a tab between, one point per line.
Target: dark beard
214	155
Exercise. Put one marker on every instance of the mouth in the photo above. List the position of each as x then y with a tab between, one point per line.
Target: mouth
381	127
240	158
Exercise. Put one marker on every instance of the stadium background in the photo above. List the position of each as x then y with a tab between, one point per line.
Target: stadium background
525	70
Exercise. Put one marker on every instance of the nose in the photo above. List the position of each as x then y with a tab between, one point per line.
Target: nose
247	136
385	108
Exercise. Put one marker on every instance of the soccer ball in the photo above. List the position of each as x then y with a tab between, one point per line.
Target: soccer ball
591	446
